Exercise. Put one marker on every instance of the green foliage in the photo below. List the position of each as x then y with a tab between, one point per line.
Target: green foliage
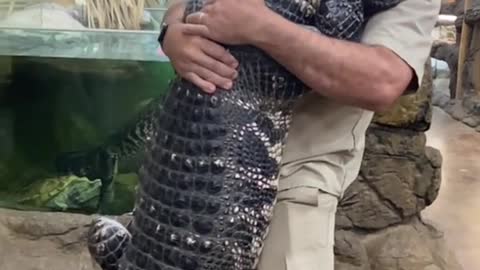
62	194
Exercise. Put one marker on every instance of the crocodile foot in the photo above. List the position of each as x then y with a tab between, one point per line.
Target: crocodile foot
107	241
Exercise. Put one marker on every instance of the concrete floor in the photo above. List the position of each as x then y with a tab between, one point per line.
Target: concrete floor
457	209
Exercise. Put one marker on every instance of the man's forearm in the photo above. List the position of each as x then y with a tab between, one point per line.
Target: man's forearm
359	75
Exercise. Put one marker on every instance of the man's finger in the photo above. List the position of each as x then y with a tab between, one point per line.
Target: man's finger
196	30
219	53
199	82
214	65
196	18
231	60
209	47
212	77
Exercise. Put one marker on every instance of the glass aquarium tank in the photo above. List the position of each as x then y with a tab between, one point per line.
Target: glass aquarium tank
79	82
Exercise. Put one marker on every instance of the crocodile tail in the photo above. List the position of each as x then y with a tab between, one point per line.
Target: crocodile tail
107	240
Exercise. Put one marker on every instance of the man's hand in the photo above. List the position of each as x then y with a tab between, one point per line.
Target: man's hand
230	21
197	59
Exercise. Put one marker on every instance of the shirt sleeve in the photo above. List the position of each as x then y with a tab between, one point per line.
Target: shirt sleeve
406	30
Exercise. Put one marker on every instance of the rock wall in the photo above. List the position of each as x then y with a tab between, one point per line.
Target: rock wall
466	110
379	224
43	241
448	52
454	8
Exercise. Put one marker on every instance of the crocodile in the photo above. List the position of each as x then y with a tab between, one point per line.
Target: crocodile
208	181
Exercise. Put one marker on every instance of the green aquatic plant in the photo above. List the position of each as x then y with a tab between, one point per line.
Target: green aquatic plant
66	193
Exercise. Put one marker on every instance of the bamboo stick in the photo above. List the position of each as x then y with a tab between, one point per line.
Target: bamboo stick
116	14
104	14
463	52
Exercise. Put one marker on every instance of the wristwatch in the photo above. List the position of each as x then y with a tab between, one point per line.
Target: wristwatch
163	31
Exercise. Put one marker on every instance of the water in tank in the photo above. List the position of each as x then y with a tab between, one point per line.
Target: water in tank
75	103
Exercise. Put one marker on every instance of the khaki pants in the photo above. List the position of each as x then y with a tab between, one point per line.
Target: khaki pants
301	235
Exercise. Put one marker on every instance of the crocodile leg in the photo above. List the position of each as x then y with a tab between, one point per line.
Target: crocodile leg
107	240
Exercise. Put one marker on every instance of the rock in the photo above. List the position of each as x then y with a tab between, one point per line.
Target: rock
350	252
399	177
449	53
377	222
413	245
440	99
458	112
450	106
472	16
457	7
471	121
57	241
41	241
413	111
467	110
45	240
472	105
452	7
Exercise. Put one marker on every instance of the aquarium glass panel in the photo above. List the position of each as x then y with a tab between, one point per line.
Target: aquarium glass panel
76	106
113	45
66	124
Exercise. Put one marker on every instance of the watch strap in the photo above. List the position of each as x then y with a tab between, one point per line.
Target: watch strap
163	31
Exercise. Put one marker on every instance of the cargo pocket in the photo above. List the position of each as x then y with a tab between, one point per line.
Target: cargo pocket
310	227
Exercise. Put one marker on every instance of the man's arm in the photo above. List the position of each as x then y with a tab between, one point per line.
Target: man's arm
370	76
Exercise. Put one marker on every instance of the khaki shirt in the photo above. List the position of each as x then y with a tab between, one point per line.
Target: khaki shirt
326	140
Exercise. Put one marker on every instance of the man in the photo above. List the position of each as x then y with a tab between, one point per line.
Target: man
349	81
